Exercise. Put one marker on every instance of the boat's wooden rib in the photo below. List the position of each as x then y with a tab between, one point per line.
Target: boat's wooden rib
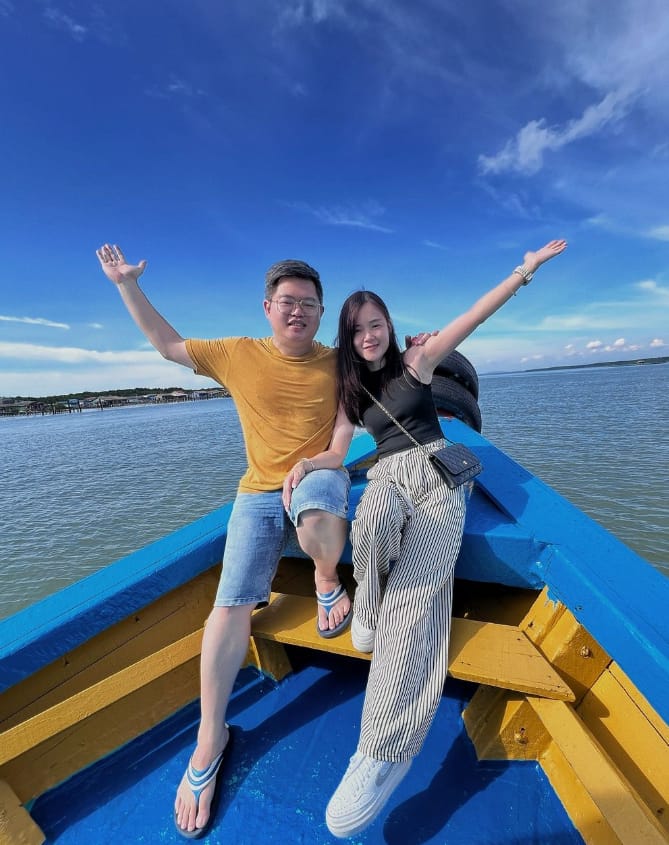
575	755
117	686
67	713
482	652
635	740
565	643
16	824
607	756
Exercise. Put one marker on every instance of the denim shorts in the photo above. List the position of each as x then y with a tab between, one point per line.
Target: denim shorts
259	530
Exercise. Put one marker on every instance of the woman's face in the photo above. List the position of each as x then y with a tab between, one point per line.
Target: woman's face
371	336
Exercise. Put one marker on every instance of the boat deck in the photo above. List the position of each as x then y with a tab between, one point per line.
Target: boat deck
291	745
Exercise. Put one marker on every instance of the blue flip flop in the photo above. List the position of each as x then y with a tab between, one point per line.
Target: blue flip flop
198	781
327	601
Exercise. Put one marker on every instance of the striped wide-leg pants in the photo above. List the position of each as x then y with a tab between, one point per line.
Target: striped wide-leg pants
406	536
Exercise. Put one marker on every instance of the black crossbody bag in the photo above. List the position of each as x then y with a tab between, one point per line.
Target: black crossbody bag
455	463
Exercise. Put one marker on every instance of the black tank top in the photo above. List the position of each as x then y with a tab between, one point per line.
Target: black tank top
409	401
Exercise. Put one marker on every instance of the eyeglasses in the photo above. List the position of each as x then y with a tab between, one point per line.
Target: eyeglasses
287	304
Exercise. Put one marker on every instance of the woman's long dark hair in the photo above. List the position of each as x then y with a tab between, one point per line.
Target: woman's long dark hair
352	372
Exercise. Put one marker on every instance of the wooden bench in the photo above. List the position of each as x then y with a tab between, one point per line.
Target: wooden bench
482	652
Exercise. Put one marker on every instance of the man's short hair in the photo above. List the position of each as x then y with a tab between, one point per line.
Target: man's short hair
292	268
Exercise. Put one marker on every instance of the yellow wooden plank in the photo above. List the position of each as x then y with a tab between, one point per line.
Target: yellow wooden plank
631	739
503	726
565	643
542	616
502	656
641	702
268	656
613	795
60	756
20	738
171	617
292	620
16	825
482	652
581	809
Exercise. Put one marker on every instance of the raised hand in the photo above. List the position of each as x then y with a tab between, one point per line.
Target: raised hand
115	267
533	260
418	339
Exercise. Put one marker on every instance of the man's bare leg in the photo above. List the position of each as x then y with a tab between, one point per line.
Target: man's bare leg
322	536
224	646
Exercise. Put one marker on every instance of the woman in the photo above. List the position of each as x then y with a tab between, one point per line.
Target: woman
406	536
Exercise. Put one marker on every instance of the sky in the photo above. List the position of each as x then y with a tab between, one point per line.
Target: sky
416	148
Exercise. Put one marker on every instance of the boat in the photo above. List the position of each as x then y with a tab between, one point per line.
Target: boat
553	725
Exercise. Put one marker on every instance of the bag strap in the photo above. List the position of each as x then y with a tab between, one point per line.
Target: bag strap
397	423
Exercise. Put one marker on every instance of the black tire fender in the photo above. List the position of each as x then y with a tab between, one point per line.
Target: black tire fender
461	370
451	399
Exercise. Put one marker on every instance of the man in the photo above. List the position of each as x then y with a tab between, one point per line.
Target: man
284	390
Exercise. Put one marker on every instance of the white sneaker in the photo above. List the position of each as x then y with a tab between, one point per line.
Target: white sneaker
362	794
362	638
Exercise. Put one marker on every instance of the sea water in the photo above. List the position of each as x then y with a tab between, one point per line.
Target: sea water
78	491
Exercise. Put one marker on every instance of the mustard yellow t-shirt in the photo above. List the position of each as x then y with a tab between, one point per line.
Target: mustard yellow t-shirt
286	406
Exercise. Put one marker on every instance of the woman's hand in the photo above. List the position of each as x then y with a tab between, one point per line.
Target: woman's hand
291	481
534	260
418	339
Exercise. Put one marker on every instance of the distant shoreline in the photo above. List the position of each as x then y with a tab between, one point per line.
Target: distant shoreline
222	392
70	403
632	363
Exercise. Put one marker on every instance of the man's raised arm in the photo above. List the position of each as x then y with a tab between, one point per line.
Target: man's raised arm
158	331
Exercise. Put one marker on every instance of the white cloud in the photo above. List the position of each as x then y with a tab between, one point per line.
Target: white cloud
434	245
660	233
47	382
174	88
62	21
658	293
525	152
299	12
360	217
594	345
34	321
47	370
617	347
73	355
622	42
656	343
612	61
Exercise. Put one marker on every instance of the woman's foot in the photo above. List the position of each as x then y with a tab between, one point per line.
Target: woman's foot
362	794
362	637
191	809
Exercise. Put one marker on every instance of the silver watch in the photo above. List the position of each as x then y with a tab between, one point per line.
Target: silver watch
525	273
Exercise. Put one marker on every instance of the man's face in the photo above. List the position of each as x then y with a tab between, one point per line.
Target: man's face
294	312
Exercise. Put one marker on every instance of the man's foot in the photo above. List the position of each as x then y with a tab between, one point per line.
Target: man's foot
192	807
363	792
334	605
362	637
534	260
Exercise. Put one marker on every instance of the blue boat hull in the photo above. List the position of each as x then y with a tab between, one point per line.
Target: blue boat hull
292	742
295	735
